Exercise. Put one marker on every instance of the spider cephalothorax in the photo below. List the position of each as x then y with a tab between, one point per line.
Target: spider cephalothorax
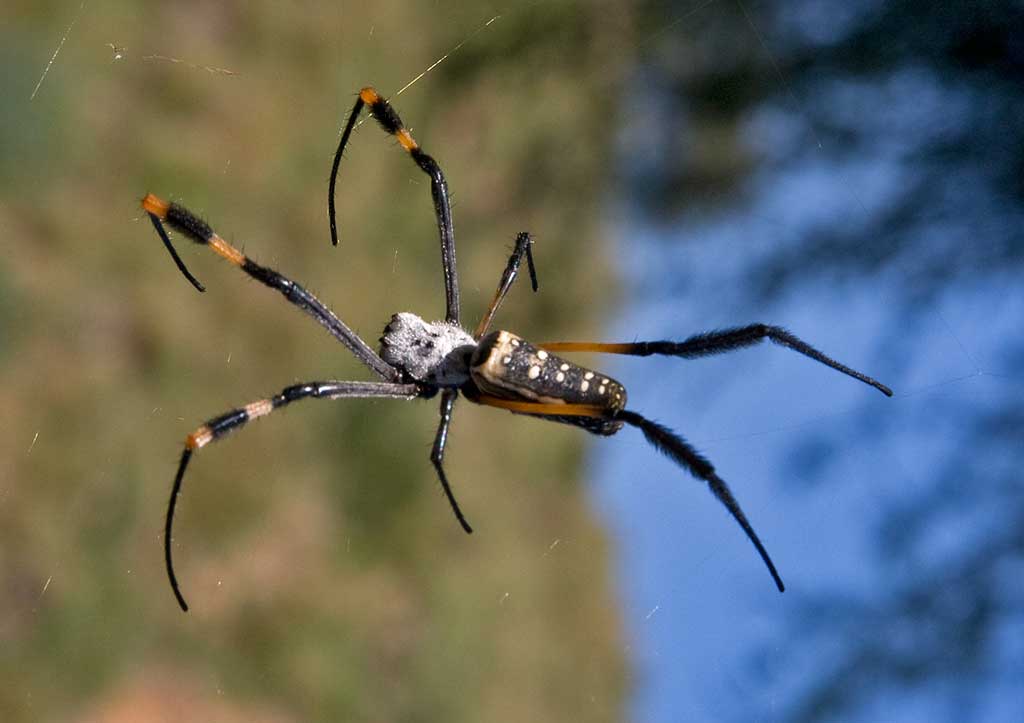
419	359
435	353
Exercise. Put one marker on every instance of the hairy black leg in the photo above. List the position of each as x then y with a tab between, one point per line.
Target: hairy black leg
333	182
388	119
187	223
174	254
437	453
219	426
720	342
524	246
678	450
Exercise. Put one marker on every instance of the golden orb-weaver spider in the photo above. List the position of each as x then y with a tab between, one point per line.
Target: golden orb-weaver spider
419	359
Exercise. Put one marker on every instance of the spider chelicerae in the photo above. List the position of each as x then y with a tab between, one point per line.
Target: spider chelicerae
420	359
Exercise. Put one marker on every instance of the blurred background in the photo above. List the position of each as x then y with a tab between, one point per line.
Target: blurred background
851	171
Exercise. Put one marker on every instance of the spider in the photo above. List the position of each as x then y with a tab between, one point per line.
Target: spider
421	359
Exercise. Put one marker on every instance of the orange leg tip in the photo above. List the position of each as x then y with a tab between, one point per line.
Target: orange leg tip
157	207
369	95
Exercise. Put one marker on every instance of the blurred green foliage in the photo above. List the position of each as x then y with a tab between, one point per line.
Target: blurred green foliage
328	578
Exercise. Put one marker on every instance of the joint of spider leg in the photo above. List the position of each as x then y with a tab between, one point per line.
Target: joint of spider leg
187	223
227	422
528	240
388	118
199	438
524	247
179	218
427	391
162	233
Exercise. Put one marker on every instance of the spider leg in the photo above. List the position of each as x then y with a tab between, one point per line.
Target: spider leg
543	409
664	440
187	223
219	426
174	254
719	342
388	119
437	454
679	451
524	245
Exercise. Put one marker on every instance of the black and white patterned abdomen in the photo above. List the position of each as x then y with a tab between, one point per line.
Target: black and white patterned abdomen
507	366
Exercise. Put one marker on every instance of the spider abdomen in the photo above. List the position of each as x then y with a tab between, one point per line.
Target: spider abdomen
507	366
